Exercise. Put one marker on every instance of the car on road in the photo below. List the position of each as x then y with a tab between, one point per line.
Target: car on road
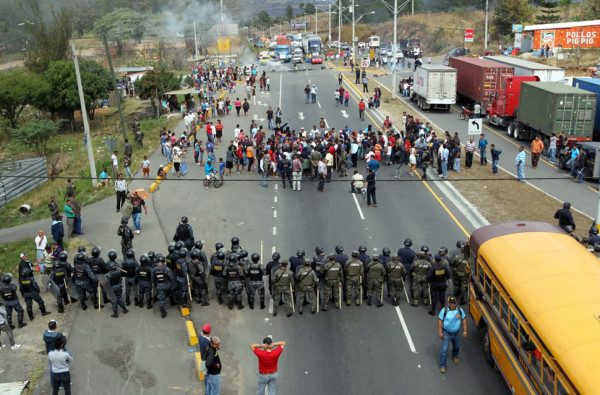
591	149
345	47
334	44
316	60
297	58
265	59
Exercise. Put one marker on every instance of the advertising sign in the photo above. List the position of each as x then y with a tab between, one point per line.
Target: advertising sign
587	37
469	33
517	28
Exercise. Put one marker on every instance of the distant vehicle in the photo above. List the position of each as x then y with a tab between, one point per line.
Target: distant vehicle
434	87
316	60
411	47
454	53
361	45
374	42
345	47
592	151
297	58
334	44
265	59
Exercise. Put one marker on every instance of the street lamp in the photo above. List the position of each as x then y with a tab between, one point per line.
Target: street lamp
354	22
395	10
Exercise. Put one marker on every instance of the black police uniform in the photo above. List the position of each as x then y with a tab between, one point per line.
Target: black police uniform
437	275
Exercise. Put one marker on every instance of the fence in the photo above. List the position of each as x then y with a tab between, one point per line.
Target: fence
20	177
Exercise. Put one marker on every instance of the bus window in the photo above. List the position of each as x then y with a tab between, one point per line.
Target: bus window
496	299
561	390
522	341
480	274
488	286
549	380
536	362
504	313
514	325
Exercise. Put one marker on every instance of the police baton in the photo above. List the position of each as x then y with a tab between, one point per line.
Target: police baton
381	294
361	289
99	296
405	293
429	291
318	299
69	296
292	300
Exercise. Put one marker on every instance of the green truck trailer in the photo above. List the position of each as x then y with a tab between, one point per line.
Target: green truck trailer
552	107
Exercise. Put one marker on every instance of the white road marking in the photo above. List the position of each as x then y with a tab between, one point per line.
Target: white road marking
272	250
280	87
276	186
274	231
275	214
319	104
271	306
326	124
275	197
408	338
358	207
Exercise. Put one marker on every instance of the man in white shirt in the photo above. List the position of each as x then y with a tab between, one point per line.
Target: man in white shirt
60	360
40	245
236	131
121	191
115	164
357	183
322	170
314	132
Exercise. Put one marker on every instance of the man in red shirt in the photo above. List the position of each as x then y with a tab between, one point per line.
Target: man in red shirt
361	109
268	354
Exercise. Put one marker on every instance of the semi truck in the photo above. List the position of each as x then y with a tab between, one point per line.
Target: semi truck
553	107
434	87
525	68
478	79
591	85
503	109
313	44
283	48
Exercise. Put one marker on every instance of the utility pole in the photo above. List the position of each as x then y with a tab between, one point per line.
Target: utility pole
485	40
413	7
222	20
340	26
316	22
395	47
353	43
115	89
195	41
329	19
86	126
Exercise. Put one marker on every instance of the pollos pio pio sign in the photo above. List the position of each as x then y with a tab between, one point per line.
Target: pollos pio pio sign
569	37
469	33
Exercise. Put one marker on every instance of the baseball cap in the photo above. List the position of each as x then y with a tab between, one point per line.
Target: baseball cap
452	300
267	340
438	258
206	328
23	254
215	340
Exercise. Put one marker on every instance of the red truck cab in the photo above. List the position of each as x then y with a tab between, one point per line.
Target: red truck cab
506	100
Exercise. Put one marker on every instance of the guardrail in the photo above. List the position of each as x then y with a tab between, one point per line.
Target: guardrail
21	176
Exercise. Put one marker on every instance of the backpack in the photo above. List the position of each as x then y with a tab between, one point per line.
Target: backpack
459	309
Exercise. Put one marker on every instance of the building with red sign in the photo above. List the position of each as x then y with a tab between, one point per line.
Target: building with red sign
566	35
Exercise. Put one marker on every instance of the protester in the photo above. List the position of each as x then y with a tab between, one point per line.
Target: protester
268	354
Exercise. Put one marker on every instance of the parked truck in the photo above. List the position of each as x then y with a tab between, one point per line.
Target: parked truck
434	86
553	107
591	85
478	79
283	48
525	68
313	44
504	107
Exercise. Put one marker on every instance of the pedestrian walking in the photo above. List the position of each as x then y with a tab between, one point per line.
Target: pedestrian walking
322	170
361	109
520	162
213	367
114	161
60	360
70	213
495	158
127	165
483	143
50	336
313	94
120	191
365	83
268	354
136	213
449	323
371	189
5	327
537	146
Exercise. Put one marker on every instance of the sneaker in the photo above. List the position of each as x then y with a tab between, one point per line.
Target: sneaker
456	360
15	346
443	370
2	347
137	232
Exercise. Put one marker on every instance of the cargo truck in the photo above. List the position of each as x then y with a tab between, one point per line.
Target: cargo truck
478	79
525	68
434	86
506	101
283	48
591	85
552	107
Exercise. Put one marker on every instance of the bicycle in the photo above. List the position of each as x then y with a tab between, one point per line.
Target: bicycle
214	180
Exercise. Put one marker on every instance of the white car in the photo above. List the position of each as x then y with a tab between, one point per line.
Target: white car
297	58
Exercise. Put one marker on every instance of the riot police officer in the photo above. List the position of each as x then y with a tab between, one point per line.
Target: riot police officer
395	274
126	236
184	233
283	282
594	237
143	275
172	255
318	261
162	279
375	276
218	247
130	265
340	257
199	270
235	245
181	278
307	282
255	273
406	254
98	267
436	276
297	262
460	273
271	268
384	257
113	277
8	290
85	281
243	260
365	259
216	269
31	291
332	278
354	272
418	274
60	272
151	259
235	282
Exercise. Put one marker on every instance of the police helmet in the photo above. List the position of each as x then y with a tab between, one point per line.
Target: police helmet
255	257
594	230
362	249
568	229
218	246
375	258
179	245
184	219
331	257
408	242
443	250
171	248
307	262
420	253
160	258
220	255
425	248
63	256
198	244
81	249
112	255
339	249
112	265
95	252
7	278
395	257
182	253
243	254
319	250
195	254
130	253
124	220
26	272
80	257
386	251
284	263
151	255
460	244
300	253
235	241
354	254
567	205
144	260
276	256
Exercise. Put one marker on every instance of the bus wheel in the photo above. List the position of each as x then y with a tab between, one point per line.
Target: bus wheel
487	350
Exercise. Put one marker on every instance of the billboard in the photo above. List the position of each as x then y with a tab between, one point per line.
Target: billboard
469	33
297	25
573	37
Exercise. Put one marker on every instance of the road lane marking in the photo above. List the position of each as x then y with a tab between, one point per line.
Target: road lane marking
280	87
274	231
274	213
276	185
319	104
445	207
275	197
272	250
356	92
358	207
270	306
406	333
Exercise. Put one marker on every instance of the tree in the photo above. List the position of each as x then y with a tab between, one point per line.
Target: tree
264	19
47	43
549	12
591	9
121	24
155	83
301	8
36	132
63	98
289	13
310	8
508	12
18	89
565	6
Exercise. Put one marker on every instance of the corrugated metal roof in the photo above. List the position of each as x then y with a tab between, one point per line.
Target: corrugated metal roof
557	87
565	25
521	62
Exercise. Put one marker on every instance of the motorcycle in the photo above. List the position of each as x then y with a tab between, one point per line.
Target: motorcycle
465	113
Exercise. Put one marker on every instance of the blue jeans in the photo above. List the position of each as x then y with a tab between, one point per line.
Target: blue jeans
268	381
552	153
213	384
571	163
264	177
306	97
449	337
495	166
457	164
77	225
128	171
483	158
270	123
445	169
136	220
521	172
314	97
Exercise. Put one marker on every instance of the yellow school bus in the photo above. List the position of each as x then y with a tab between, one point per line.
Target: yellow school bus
535	295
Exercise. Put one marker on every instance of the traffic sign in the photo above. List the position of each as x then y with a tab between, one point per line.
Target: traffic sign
475	125
469	33
365	63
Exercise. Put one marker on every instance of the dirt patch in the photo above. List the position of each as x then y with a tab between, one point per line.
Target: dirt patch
122	359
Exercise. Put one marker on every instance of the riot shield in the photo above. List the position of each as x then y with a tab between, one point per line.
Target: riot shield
110	294
50	286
